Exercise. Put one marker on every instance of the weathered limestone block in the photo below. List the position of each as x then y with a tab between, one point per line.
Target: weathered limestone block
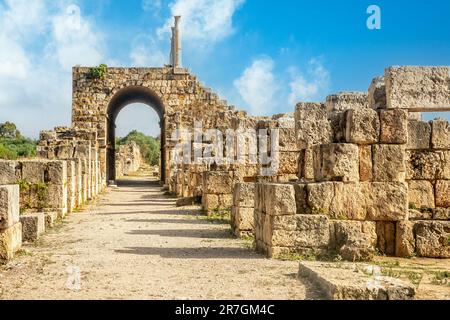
319	197
440	138
385	201
432	239
394	126
348	202
441	214
377	94
405	244
428	165
386	237
311	133
365	164
306	164
287	139
420	194
279	199
242	220
33	225
355	240
10	172
419	135
418	88
388	163
210	202
310	111
443	193
10	241
362	126
218	182
335	199
57	199
50	219
287	162
35	171
244	195
347	100
336	162
9	206
298	231
225	201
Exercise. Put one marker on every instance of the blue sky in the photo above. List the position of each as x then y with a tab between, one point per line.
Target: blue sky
262	56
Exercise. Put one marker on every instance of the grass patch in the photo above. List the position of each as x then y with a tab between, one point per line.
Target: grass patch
441	278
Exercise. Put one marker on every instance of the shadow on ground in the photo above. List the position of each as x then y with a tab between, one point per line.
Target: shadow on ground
194	253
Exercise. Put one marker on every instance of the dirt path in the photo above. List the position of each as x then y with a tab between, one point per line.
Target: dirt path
133	243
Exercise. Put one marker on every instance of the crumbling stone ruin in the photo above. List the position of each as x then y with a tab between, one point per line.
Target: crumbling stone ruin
372	178
128	159
358	174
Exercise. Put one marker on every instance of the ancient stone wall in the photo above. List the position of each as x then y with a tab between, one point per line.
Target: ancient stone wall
128	159
371	178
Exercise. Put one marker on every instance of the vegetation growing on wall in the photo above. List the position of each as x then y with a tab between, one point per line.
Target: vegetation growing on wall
98	72
13	145
150	146
33	196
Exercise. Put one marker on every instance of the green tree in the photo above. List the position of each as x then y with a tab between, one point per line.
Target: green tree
150	146
13	145
9	130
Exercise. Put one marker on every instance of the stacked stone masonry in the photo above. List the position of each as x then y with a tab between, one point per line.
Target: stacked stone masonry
128	159
358	174
372	177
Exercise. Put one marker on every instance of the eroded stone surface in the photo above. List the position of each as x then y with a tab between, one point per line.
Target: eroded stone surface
349	282
432	239
9	206
33	225
418	88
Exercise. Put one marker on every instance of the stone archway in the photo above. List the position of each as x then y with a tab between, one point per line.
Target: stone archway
121	99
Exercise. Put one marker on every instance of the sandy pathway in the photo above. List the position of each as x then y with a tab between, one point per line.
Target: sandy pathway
133	243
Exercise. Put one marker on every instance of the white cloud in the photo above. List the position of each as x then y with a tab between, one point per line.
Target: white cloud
266	91
309	86
74	39
40	41
203	21
257	86
146	52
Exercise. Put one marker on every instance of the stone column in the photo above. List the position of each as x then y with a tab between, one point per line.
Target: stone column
175	54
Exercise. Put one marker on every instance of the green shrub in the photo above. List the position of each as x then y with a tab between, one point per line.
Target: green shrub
98	72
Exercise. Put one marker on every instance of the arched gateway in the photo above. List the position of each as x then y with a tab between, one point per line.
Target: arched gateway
176	95
119	101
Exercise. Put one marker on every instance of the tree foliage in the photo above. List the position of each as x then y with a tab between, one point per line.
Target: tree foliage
150	146
9	130
13	145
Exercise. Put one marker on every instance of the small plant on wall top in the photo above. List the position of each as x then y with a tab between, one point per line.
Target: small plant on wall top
98	72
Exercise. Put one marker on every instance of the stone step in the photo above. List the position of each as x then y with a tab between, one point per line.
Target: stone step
350	281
